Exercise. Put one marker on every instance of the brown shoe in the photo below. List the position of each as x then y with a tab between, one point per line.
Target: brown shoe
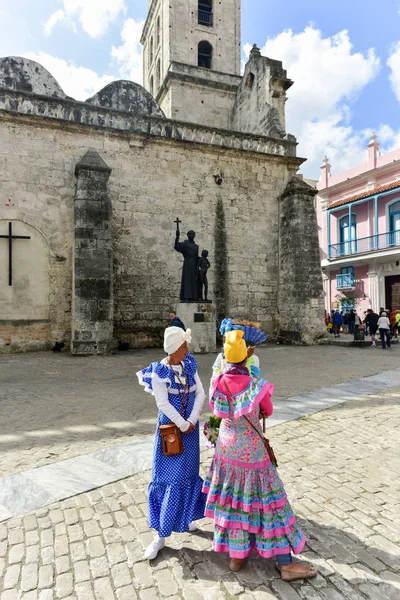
236	564
297	571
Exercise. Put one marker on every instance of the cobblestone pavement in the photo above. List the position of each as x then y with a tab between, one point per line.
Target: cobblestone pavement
342	473
54	407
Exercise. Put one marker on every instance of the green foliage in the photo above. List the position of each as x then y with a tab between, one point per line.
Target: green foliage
221	262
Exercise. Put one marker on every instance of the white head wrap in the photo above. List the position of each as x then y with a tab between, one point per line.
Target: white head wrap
174	337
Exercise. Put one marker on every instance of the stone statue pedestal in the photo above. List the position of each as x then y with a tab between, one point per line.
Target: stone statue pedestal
201	318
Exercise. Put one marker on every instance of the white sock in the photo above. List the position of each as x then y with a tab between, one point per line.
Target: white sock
154	548
193	526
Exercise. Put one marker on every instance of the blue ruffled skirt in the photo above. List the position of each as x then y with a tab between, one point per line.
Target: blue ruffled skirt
175	493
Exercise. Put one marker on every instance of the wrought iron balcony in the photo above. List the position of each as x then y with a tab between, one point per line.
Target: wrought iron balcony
345	281
205	17
382	241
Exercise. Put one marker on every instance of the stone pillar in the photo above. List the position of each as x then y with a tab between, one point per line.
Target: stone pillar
201	319
300	295
92	293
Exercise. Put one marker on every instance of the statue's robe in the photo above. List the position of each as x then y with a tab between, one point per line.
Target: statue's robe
189	283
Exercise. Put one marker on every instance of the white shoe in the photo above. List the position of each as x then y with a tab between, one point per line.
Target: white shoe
373	344
193	526
156	545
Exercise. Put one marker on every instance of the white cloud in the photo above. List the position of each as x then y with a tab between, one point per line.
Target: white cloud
128	56
394	65
78	82
328	76
94	16
52	21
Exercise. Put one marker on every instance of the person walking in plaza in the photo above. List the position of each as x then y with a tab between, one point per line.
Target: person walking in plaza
176	499
337	321
246	498
397	322
371	321
384	330
175	321
352	318
393	323
346	322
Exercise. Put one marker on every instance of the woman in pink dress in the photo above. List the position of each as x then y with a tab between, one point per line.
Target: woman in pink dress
246	498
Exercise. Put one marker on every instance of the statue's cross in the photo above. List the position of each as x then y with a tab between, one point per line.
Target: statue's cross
177	222
10	237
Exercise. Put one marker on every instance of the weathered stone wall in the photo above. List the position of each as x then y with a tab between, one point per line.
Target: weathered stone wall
300	297
213	102
223	184
92	288
153	181
180	34
36	188
259	105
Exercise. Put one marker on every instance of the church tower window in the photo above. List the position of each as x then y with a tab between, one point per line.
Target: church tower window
205	55
152	85
158	75
205	12
151	53
158	30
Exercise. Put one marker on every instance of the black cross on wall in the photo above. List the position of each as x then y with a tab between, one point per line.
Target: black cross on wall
10	237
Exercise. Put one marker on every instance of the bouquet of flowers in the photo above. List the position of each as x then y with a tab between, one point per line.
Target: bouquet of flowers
211	431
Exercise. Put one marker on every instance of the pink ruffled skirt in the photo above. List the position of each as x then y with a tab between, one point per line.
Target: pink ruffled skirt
250	509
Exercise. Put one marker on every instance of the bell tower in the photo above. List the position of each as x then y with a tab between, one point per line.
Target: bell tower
191	55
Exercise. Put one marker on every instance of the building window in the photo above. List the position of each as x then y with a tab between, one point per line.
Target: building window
250	80
394	223
158	30
158	75
205	12
152	85
348	235
205	55
151	51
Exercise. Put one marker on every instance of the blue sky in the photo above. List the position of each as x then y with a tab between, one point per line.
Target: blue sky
344	57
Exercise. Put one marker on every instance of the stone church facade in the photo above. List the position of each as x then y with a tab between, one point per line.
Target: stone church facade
89	192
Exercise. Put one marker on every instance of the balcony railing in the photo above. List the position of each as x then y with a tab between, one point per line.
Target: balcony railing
345	281
205	17
367	244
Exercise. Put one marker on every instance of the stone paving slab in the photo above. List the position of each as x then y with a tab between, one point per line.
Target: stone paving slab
39	487
56	406
341	469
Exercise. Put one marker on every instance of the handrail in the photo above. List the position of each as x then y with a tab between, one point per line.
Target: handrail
366	244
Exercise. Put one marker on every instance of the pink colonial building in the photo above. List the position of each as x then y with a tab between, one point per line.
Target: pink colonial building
359	230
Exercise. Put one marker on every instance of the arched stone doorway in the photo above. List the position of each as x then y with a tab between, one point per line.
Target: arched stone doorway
24	287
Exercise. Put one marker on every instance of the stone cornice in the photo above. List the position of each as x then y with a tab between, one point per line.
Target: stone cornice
197	75
150	14
26	104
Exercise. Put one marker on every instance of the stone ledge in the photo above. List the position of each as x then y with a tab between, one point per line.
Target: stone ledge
80	113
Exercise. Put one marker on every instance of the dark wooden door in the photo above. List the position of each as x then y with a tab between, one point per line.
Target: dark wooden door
392	285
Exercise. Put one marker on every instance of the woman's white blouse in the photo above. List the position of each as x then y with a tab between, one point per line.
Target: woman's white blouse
160	391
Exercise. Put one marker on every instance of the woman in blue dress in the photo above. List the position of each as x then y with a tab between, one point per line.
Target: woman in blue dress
176	499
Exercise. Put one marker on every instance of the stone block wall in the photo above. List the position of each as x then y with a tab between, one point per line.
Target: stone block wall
161	170
300	295
92	290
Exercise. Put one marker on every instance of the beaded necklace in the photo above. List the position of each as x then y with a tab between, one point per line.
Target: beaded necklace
183	389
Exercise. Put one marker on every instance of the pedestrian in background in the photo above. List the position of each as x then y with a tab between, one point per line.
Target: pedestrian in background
175	321
371	321
337	321
352	318
384	330
346	322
